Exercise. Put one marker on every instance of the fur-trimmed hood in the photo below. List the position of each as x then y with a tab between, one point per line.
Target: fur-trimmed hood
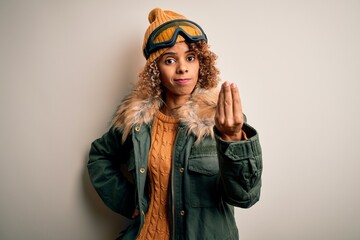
197	113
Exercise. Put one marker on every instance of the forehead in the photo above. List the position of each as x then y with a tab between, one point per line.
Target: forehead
180	47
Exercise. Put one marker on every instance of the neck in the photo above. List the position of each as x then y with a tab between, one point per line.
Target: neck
173	103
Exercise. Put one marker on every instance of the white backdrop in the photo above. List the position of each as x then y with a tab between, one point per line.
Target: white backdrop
65	66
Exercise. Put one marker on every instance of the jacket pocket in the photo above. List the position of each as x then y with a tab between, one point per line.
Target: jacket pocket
203	177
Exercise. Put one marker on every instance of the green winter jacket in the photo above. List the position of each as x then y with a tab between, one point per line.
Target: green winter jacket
208	177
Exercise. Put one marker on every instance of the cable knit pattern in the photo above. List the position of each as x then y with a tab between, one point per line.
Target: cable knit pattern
163	134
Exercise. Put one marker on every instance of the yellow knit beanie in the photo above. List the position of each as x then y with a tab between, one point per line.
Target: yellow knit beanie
157	17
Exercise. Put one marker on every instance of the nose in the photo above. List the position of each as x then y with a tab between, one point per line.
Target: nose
182	67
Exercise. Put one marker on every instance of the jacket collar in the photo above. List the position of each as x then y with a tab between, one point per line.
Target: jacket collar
197	114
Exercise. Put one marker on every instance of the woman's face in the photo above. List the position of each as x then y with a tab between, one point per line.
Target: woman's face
179	71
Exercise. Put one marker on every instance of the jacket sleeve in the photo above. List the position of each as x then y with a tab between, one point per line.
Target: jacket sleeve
240	169
105	158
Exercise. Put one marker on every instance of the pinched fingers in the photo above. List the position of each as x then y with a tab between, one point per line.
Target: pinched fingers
229	117
237	107
228	104
224	104
220	113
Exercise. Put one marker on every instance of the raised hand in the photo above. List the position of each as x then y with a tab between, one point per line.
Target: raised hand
229	117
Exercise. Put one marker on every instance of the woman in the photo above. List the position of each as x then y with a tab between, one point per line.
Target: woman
189	154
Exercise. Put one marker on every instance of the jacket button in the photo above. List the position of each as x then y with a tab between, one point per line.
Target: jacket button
142	170
182	212
137	128
181	170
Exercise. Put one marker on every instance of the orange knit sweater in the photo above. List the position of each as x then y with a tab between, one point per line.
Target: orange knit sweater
163	134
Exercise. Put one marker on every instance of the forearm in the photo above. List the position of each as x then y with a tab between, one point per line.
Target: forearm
240	169
104	171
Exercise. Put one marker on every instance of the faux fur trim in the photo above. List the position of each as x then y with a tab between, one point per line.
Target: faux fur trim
198	113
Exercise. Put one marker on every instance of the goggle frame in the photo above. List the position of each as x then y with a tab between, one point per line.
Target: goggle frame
152	47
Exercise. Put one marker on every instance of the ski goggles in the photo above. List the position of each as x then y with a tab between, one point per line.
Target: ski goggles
189	30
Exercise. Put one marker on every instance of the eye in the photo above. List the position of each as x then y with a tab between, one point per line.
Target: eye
191	58
169	61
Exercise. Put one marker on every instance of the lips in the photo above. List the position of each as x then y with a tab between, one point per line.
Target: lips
182	80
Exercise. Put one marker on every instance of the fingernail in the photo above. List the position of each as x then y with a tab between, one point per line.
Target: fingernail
233	85
226	84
